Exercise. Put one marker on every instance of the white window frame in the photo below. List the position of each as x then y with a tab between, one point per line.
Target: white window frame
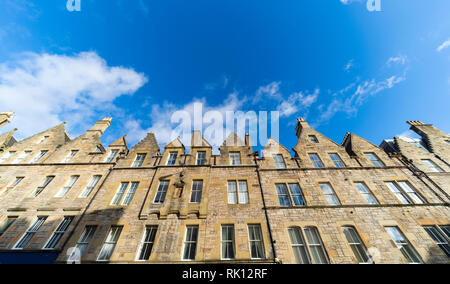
319	245
144	242
196	191
67	187
138	162
32	230
120	192
260	242
356	243
232	241
190	242
338	163
90	187
318	164
232	156
111	156
22	157
303	245
83	242
198	159
433	166
376	161
110	240
279	161
12	185
161	192
241	196
41	188
69	156
59	232
172	159
333	194
130	194
367	194
403	242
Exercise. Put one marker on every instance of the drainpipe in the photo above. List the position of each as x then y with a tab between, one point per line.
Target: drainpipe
272	242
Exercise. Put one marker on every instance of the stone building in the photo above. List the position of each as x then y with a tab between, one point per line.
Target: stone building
73	200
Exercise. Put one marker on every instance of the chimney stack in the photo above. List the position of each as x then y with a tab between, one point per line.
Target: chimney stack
101	125
5	117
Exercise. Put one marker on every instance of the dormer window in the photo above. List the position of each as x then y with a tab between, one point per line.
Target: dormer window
70	156
279	161
98	150
313	139
235	158
139	160
374	159
171	160
201	158
39	157
111	156
43	139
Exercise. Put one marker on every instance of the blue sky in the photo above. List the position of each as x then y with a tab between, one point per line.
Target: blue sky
332	62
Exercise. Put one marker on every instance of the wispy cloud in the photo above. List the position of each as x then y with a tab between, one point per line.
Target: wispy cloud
444	45
45	89
296	102
270	91
399	60
349	65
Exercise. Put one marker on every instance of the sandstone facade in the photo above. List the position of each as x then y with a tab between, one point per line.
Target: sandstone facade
148	206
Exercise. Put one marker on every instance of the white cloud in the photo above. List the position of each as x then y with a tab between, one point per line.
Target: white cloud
401	60
45	89
347	2
444	45
296	102
271	91
349	65
165	131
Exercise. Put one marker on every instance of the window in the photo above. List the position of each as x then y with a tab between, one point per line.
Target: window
439	238
171	160
329	193
256	242
161	191
337	160
405	193
38	157
365	192
235	158
82	243
201	158
70	156
374	159
313	139
236	194
41	188
13	185
90	187
63	191
59	232
98	149
316	246
110	243
111	156
317	163
298	246
130	193
43	139
119	193
25	239
139	160
432	165
190	243
228	242
403	245
196	195
22	157
356	244
5	224
147	243
295	197
7	156
279	161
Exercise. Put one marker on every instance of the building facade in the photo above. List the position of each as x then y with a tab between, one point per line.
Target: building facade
74	200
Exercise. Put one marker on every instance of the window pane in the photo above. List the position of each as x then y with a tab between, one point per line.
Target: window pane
30	233
316	246
438	238
279	161
256	242
147	243
59	232
92	184
130	194
329	193
365	192
374	159
298	246
356	244
110	243
172	158
232	192
161	192
197	187
403	245
433	166
297	195
243	192
190	243
283	195
6	224
317	163
201	158
398	193
416	197
120	192
337	160
82	244
228	242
